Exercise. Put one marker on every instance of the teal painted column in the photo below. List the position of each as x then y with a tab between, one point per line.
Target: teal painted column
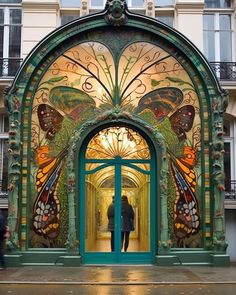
72	245
14	169
219	105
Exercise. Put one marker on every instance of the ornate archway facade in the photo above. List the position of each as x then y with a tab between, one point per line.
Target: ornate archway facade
116	67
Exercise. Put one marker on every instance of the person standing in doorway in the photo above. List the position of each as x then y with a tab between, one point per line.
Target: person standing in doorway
127	222
110	216
3	228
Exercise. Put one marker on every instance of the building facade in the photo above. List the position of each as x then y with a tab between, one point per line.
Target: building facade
80	93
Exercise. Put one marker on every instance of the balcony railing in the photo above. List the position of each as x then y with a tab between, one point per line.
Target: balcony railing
9	66
224	70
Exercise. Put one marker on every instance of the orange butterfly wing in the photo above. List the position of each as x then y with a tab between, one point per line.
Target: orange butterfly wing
46	210
186	211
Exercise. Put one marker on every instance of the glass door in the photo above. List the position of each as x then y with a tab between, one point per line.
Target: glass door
116	209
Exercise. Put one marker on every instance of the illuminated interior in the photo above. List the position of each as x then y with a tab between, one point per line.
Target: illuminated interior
102	185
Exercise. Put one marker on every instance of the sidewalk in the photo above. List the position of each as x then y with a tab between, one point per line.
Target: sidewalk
119	275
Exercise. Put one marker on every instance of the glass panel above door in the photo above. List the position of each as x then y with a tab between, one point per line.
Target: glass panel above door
117	141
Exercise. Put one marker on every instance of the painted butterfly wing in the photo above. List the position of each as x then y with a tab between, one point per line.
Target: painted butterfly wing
50	120
46	211
161	101
182	121
73	102
186	215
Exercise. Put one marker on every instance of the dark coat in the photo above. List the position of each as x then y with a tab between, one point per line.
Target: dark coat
110	216
127	217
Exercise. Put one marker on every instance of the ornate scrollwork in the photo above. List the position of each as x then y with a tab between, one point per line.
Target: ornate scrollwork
116	12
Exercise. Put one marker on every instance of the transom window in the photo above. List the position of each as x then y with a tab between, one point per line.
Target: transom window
117	141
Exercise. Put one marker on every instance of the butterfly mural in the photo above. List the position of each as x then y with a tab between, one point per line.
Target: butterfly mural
186	211
46	210
162	102
90	68
70	101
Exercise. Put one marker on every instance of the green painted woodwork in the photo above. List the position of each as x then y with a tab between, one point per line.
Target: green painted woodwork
118	32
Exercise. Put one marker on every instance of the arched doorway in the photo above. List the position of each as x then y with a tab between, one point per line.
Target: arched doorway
117	162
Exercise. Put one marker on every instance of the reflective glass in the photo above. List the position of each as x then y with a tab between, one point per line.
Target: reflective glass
163	2
135	211
227	166
70	3
14	41
208	22
1	44
95	3
225	22
15	16
1	16
225	51
67	18
100	211
209	45
217	3
4	168
10	1
226	127
136	3
6	124
166	19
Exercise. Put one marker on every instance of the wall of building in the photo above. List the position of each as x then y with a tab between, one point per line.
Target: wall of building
39	19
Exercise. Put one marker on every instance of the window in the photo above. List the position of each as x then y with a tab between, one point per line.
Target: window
167	19
97	3
10	40
10	1
130	3
70	3
217	3
67	17
229	155
217	33
135	3
162	3
3	153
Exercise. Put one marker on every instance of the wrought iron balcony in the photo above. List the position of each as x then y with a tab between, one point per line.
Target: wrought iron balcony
224	70
9	66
